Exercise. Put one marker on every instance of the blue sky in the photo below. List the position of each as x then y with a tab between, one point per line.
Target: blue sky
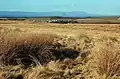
103	7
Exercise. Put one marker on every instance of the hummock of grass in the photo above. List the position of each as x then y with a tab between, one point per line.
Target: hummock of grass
36	50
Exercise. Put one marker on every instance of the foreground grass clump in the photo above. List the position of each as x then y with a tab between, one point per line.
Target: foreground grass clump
67	69
24	50
107	60
37	49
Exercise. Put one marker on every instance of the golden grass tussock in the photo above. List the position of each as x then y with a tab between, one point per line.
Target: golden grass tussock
24	44
32	49
107	59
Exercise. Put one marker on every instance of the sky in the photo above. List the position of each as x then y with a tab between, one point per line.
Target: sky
102	7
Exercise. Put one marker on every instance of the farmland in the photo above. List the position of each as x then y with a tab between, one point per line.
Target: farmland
65	51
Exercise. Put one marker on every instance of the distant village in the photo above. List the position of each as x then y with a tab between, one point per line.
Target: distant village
56	21
69	20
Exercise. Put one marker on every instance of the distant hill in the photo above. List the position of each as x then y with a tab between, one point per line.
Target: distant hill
44	14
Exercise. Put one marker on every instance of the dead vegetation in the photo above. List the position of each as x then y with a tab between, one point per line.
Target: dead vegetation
34	55
107	60
33	49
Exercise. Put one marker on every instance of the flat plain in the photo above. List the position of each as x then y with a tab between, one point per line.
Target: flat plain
98	44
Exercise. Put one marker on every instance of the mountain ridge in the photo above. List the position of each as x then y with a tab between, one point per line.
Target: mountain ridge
44	14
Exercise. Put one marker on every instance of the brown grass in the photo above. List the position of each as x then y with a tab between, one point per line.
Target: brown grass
107	59
1	75
69	51
32	49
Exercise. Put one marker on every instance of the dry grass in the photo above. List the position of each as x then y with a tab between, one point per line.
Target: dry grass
32	49
69	51
107	60
1	75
